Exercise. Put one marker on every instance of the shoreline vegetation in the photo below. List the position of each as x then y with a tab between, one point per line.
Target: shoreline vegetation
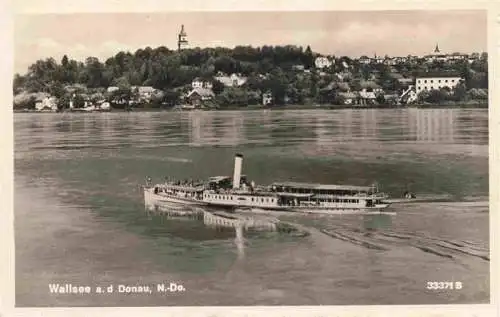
245	77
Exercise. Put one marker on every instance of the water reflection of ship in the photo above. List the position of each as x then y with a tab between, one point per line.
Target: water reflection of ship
432	125
239	240
238	221
173	212
217	218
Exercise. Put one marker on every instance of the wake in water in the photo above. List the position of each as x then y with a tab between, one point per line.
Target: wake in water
385	241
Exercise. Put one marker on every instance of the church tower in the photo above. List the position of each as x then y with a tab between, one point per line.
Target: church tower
436	50
182	42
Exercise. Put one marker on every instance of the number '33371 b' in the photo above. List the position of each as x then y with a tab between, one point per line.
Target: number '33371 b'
444	285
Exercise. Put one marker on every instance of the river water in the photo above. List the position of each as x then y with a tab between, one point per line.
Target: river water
80	217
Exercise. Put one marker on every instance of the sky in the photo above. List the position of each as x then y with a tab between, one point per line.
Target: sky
350	33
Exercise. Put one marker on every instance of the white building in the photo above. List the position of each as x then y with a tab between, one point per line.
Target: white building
367	94
112	88
431	82
200	83
144	91
105	106
235	80
322	62
364	60
267	98
47	104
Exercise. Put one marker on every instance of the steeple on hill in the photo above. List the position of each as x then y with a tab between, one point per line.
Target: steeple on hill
436	50
182	39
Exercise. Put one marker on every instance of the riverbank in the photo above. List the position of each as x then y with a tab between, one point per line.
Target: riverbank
283	107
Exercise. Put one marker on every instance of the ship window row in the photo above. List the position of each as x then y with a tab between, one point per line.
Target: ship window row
352	201
221	197
316	191
256	199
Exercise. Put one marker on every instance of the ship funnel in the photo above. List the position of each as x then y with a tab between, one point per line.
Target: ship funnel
238	160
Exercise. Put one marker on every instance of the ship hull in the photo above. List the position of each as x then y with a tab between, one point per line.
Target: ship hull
179	202
340	210
150	198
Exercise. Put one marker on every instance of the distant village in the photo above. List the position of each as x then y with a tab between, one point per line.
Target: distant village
264	77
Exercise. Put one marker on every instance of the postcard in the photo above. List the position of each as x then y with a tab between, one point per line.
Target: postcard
304	159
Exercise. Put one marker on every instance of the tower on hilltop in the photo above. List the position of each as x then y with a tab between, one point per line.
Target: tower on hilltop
436	50
182	42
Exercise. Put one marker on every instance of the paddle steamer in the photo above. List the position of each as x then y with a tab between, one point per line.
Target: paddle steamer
238	192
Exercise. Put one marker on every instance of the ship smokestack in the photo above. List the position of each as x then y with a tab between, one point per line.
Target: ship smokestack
238	160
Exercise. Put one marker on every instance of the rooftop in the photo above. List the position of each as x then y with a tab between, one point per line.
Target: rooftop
437	74
205	92
322	186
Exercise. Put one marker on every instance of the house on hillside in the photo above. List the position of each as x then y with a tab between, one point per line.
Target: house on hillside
111	89
348	97
47	104
267	98
201	83
234	80
436	81
408	96
389	61
145	93
341	86
364	60
400	59
370	85
366	97
458	57
322	62
198	96
378	60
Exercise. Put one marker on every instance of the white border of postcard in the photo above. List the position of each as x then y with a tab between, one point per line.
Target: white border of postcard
7	276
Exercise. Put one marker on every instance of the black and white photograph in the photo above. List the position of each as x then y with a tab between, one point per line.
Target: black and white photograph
251	158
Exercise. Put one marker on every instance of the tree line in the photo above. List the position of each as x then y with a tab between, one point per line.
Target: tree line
171	71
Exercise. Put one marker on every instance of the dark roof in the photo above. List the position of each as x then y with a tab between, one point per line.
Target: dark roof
369	84
405	80
437	74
